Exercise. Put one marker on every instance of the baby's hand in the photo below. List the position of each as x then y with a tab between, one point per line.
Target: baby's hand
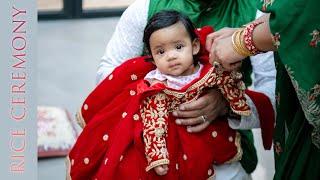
161	170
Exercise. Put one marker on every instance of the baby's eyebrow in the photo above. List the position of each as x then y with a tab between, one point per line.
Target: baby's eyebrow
158	47
179	41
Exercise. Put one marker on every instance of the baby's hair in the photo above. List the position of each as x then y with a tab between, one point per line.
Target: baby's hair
165	19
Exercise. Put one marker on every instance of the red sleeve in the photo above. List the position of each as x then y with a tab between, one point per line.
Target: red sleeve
122	78
266	116
155	127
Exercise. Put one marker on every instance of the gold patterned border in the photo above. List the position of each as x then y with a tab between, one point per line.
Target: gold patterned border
310	107
239	154
157	163
192	87
242	113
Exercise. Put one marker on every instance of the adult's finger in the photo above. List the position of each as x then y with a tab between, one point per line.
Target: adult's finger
209	40
189	121
195	105
222	33
198	128
188	114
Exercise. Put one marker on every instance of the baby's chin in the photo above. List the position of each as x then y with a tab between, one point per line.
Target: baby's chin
175	73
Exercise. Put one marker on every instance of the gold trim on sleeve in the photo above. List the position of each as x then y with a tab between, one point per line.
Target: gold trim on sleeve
157	163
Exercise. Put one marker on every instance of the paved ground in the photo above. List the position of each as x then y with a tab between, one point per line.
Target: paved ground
68	55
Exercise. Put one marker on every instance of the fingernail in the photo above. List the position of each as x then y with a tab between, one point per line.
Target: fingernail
175	113
178	121
182	108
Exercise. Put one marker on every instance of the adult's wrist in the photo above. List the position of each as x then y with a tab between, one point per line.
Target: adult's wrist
263	39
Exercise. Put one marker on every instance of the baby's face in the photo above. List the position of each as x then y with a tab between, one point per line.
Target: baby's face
172	50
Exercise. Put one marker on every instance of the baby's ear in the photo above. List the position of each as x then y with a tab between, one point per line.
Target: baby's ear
195	46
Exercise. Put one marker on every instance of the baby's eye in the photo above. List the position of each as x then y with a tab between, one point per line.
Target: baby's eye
179	46
160	51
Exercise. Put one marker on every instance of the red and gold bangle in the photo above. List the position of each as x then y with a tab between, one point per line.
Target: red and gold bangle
248	37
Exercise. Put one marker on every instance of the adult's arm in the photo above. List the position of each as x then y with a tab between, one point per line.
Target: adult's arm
264	73
264	81
126	41
221	49
261	98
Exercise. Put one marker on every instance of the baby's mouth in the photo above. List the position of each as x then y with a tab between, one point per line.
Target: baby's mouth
173	66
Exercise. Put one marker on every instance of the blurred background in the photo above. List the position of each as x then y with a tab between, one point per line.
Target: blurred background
72	36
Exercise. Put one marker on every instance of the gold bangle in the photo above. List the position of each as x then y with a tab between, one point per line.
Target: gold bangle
237	43
242	45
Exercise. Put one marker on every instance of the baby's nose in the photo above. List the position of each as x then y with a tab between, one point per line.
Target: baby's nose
172	55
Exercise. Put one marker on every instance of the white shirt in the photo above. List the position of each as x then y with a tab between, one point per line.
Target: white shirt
174	82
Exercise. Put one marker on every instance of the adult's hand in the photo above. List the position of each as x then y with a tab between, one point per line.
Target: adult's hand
210	106
222	51
222	33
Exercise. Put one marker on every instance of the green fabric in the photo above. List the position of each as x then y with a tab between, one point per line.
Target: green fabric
295	21
249	159
296	156
216	13
219	14
297	133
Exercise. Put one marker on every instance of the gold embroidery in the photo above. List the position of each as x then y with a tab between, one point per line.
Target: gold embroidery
311	109
267	3
155	111
315	38
159	132
132	92
196	85
155	127
238	156
157	163
136	117
276	40
227	86
134	77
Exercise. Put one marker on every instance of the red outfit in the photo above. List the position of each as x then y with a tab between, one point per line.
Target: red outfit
129	127
111	145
